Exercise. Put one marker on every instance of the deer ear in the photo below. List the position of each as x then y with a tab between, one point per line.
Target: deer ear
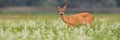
65	6
58	7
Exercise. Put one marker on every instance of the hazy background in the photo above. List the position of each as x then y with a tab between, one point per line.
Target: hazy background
97	6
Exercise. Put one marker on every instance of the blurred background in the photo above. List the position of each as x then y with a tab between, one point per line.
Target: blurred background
28	6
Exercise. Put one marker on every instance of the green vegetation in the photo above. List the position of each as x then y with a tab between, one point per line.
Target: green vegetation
53	3
50	27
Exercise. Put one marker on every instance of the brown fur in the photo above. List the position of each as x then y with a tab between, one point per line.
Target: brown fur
84	18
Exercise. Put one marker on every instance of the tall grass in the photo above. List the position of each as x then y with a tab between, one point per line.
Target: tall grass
44	27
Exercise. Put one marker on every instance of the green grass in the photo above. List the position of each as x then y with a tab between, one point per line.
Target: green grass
51	27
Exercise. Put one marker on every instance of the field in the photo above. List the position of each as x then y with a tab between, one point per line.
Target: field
50	27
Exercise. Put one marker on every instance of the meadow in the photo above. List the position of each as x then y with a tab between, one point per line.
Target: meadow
49	26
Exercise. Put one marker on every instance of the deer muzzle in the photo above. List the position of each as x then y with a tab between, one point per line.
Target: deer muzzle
61	13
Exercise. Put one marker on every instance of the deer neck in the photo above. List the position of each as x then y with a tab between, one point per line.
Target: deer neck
63	17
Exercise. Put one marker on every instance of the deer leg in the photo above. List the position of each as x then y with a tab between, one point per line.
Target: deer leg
71	26
89	25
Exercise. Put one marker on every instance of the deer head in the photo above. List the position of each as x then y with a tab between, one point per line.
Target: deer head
61	10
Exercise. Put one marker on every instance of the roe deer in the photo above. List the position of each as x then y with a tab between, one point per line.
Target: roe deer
84	18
